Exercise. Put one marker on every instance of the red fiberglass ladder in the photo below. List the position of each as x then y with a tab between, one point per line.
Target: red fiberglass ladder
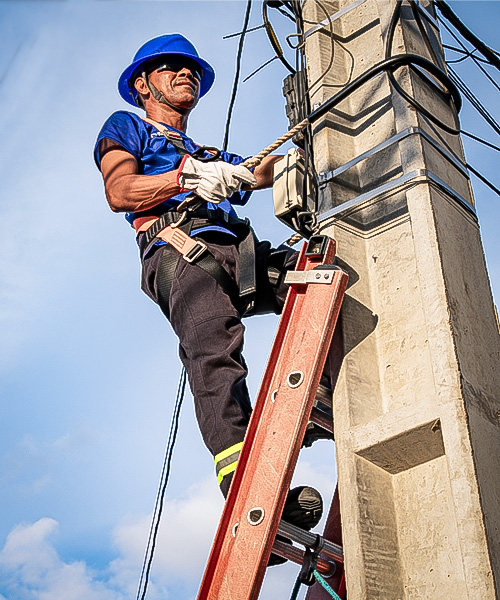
283	408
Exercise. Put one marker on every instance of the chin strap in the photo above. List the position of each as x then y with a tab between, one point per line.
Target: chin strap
158	96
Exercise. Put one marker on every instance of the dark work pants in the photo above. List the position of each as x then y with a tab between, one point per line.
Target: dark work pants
210	333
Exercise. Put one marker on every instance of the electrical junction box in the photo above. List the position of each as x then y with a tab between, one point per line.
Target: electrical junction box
288	192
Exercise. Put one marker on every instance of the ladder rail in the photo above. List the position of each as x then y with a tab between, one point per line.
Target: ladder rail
260	484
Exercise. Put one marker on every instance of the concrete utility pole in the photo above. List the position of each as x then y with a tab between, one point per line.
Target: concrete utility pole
417	402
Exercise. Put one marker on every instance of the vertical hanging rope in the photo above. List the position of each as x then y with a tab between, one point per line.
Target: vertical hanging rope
155	521
321	580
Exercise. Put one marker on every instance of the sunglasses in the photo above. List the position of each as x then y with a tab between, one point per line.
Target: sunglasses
177	65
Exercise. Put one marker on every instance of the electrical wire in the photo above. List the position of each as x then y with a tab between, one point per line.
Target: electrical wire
310	179
480	140
471	97
236	74
160	497
443	79
466	91
466	53
436	57
332	48
268	62
273	38
486	51
285	13
476	59
483	179
296	589
454	77
249	30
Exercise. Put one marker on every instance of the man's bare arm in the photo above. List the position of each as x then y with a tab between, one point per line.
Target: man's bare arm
126	191
264	172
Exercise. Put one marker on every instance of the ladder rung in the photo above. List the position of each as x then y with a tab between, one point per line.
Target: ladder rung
308	539
318	417
323	399
296	555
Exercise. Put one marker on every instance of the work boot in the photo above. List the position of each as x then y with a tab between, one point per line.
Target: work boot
314	433
303	508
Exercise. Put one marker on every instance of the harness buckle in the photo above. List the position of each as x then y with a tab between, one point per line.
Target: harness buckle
195	252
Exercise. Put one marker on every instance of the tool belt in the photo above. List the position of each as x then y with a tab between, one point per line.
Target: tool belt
181	245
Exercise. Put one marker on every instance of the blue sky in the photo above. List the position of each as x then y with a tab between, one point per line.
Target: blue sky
88	365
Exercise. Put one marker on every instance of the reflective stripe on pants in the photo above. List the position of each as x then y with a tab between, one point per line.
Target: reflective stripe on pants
226	461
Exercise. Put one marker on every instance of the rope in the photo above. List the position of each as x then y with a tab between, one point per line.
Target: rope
155	521
258	158
322	581
295	239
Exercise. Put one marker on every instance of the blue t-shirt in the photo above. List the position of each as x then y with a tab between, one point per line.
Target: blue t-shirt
155	155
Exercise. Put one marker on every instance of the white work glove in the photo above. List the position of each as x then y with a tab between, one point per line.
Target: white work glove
214	181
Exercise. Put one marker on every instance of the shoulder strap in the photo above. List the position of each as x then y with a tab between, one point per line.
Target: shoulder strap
173	137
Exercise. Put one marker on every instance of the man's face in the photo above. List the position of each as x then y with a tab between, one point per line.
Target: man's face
179	80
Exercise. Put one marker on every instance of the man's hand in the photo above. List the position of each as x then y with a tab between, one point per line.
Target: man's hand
214	181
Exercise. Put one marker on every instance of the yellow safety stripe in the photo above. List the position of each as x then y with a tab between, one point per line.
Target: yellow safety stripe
226	471
228	451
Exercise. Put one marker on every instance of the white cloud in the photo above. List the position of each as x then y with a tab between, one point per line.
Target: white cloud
184	539
31	569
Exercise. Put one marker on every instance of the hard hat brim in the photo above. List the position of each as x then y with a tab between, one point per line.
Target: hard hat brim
125	88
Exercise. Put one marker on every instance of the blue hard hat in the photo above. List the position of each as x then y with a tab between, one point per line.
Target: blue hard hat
164	45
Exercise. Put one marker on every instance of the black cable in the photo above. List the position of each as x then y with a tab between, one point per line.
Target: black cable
485	50
425	36
165	473
310	174
268	62
389	64
476	59
232	35
466	53
452	84
236	74
296	589
285	13
478	139
435	70
332	48
273	38
471	97
483	179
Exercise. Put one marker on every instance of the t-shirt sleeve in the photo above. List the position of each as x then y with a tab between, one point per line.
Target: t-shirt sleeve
121	128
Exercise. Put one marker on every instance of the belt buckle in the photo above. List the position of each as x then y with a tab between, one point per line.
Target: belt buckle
196	251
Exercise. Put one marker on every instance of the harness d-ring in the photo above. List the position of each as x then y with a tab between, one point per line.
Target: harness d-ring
182	219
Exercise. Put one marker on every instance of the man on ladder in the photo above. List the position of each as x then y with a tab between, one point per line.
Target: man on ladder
204	267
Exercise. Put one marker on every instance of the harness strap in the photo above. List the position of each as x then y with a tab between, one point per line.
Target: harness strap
176	139
191	250
173	137
165	277
247	276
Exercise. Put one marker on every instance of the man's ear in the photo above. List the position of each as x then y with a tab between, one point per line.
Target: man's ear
141	86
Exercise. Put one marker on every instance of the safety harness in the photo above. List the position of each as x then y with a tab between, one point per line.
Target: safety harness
175	230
